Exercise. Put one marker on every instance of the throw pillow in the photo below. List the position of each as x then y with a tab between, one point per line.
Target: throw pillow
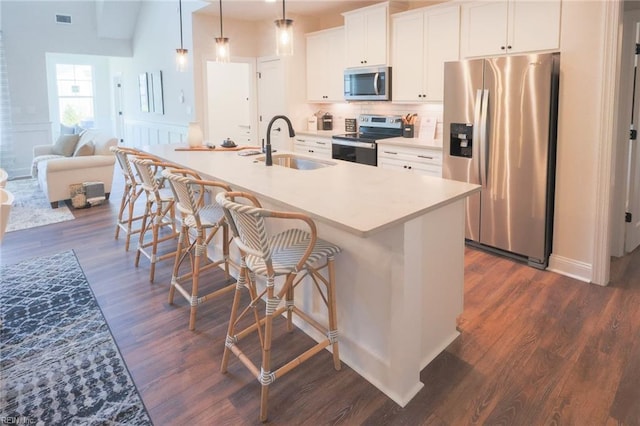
84	150
65	145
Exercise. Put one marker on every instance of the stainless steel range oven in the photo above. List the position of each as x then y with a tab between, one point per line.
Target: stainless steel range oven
361	147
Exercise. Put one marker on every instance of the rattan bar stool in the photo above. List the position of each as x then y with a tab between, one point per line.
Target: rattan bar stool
294	254
132	190
200	223
159	212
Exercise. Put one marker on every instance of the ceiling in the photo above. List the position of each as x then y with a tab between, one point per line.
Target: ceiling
256	10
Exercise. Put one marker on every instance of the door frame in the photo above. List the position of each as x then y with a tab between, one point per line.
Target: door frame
605	166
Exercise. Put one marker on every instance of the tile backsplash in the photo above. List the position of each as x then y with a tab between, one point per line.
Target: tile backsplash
428	128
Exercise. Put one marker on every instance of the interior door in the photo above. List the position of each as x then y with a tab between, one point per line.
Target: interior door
118	103
271	102
632	228
229	102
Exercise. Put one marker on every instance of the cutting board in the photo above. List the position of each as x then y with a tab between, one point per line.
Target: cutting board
217	148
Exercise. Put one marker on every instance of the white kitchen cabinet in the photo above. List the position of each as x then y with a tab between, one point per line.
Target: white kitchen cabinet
423	40
366	36
421	160
325	65
509	26
314	146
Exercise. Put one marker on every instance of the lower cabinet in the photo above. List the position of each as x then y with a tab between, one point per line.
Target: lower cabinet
313	146
425	161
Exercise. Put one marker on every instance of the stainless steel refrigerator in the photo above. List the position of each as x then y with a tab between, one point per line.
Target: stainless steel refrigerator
500	124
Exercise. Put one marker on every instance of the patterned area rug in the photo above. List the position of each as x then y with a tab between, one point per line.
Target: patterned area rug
59	363
31	208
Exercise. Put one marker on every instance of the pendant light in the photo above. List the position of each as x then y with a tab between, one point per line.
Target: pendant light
222	43
284	35
181	54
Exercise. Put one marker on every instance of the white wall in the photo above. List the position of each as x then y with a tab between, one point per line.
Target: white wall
579	124
30	32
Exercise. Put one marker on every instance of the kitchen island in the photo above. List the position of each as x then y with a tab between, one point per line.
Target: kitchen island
400	276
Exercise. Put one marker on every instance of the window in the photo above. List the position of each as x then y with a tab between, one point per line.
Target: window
75	94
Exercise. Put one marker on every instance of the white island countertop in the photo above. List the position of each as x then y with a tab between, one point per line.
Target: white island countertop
359	199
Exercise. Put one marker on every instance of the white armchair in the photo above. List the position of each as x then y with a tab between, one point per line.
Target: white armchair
90	161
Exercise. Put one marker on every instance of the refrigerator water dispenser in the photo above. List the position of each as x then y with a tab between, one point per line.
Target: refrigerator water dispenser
461	140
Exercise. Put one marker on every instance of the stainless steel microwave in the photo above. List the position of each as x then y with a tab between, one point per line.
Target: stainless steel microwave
367	84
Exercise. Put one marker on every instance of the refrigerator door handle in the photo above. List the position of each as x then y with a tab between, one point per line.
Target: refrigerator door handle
483	138
477	135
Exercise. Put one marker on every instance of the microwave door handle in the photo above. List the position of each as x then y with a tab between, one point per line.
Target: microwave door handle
376	79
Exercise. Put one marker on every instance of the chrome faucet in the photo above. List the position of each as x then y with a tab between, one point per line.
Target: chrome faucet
269	160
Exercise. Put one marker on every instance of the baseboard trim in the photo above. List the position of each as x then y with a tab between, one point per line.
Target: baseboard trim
570	267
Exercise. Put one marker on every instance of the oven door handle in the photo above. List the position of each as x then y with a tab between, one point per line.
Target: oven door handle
368	145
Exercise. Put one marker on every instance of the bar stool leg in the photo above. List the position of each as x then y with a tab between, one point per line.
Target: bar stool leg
181	252
143	230
225	249
130	219
242	276
266	377
130	205
289	304
126	194
155	227
200	251
333	316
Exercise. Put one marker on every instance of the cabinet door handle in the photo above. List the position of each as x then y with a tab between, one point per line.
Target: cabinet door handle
321	143
310	150
425	156
502	48
390	152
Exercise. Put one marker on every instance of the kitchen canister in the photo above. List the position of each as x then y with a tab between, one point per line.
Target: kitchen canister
407	130
194	134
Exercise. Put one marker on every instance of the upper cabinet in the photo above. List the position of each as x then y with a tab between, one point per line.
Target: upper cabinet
325	65
492	28
366	35
423	40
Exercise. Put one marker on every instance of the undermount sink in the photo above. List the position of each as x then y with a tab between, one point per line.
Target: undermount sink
293	161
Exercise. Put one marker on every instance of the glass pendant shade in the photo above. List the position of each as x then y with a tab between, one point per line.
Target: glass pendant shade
182	60
284	37
222	49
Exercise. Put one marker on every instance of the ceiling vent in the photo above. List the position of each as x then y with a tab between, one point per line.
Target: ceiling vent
63	19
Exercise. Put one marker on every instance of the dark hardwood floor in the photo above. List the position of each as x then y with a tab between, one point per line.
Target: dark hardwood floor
535	348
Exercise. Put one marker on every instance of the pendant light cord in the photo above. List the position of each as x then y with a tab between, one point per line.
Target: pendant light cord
180	8
221	33
283	15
